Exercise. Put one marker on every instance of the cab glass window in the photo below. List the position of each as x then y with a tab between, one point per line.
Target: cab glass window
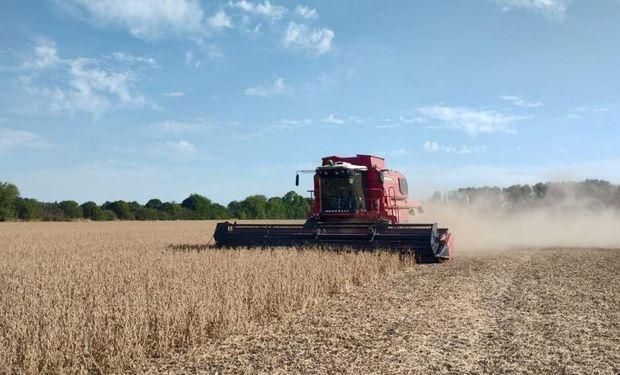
402	186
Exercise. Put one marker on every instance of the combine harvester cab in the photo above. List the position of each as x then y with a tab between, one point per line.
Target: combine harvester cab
357	203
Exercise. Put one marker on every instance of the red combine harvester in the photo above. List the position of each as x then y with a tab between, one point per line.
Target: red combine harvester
357	203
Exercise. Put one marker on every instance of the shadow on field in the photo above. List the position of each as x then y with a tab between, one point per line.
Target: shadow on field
189	247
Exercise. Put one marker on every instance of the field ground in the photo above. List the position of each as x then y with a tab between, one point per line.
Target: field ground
109	297
552	311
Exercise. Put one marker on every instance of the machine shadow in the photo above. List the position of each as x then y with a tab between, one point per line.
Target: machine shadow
190	247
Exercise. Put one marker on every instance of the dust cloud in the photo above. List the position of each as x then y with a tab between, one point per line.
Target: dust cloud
475	228
554	214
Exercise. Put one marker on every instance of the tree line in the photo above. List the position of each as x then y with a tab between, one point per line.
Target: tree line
194	207
590	194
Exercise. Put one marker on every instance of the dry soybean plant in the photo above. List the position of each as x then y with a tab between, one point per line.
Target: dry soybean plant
106	297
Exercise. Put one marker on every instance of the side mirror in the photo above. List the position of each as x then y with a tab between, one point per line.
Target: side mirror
381	178
296	180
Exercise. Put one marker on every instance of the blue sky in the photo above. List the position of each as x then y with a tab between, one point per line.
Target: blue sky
128	99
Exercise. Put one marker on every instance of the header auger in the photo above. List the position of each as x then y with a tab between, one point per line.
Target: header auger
356	203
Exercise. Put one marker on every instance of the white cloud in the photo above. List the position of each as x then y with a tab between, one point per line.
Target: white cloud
471	121
519	102
583	112
388	126
131	59
357	119
331	119
431	146
81	84
592	109
143	19
266	9
220	20
277	87
411	120
10	139
207	52
182	147
174	94
271	11
89	80
247	27
306	12
293	124
44	55
302	37
180	126
555	9
243	5
85	87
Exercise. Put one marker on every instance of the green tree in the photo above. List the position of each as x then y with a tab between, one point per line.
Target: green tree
90	210
296	206
155	204
275	208
217	211
71	209
255	207
52	212
135	208
235	210
108	215
144	213
198	204
122	209
28	209
8	199
173	210
163	215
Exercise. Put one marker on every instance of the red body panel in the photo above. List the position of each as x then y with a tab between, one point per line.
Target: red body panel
384	197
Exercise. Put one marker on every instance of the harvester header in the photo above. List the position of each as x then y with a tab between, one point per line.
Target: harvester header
356	203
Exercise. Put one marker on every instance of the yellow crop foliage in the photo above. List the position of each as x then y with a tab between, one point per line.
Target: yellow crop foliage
106	297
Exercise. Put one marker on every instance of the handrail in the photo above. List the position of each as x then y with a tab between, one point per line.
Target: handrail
394	206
